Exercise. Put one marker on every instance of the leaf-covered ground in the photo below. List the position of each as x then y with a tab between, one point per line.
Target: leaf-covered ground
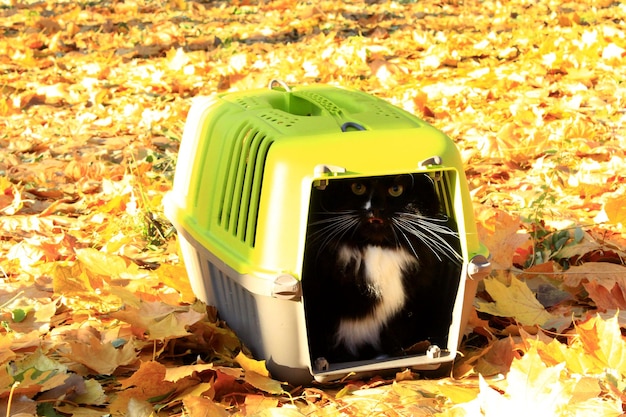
96	313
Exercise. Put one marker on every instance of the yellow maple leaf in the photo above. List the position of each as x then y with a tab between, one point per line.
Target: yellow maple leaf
256	374
516	301
6	354
534	388
10	197
249	364
575	358
602	339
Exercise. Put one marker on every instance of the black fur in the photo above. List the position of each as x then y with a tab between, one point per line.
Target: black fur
399	217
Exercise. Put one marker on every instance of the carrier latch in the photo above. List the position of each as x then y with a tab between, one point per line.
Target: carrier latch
433	352
322	169
430	162
479	267
286	287
433	160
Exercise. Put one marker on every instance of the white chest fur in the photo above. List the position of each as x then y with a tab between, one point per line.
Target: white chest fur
383	272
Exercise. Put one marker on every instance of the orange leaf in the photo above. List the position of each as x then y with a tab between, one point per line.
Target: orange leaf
603	340
615	209
203	407
148	382
175	276
500	231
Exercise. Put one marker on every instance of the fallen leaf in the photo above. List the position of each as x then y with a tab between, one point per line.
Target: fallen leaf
253	365
264	383
516	301
147	383
501	233
603	340
605	282
203	407
101	357
159	320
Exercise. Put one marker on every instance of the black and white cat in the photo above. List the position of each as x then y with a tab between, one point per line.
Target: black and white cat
381	267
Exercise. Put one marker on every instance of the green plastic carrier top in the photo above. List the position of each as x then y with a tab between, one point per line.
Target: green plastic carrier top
248	160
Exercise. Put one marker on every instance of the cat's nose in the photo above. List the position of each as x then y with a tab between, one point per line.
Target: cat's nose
374	217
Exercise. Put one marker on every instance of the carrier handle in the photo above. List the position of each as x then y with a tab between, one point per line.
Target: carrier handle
347	125
274	82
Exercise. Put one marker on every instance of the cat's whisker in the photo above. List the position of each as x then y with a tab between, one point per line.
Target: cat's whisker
407	240
333	228
431	232
437	244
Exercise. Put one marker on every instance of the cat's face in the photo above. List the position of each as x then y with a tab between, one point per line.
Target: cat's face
385	211
389	211
374	202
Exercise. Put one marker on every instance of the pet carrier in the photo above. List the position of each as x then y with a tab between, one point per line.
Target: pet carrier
251	169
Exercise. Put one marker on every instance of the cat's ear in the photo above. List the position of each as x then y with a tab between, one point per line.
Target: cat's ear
406	180
423	182
424	191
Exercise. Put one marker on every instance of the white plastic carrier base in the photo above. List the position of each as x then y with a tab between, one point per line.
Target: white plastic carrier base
275	328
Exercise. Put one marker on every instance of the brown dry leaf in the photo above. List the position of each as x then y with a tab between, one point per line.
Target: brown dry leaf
160	321
605	282
21	406
147	383
496	358
102	357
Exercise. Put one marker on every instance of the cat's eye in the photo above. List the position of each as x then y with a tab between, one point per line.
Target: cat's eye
395	190
358	188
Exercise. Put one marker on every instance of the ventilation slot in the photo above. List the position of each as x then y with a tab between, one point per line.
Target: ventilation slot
385	111
242	187
235	300
321	101
279	118
250	102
